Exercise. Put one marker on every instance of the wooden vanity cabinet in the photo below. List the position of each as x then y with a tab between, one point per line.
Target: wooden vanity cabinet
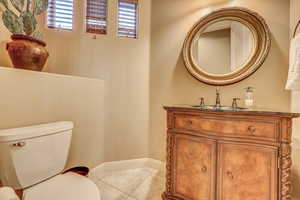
228	155
247	171
195	171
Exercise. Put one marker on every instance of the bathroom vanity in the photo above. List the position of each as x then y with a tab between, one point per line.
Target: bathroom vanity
228	154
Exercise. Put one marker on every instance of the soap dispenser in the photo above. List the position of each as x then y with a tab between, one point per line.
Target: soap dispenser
249	97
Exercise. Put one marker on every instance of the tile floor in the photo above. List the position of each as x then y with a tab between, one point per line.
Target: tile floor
141	179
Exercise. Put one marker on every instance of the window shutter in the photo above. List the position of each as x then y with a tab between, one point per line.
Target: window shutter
60	14
128	18
96	16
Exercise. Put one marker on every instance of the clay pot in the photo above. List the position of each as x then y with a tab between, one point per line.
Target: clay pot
27	52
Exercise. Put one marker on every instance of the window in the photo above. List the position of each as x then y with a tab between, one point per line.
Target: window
60	14
96	16
128	18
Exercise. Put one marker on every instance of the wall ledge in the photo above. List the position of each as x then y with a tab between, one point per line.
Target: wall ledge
10	69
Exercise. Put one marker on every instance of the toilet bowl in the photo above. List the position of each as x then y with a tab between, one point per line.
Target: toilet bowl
32	159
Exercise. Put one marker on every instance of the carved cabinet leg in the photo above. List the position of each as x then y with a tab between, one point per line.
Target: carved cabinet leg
168	164
285	167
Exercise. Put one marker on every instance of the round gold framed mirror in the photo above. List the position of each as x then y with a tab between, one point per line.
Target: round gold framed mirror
226	46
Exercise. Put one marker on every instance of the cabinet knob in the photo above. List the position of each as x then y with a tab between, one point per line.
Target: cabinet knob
251	129
230	175
204	169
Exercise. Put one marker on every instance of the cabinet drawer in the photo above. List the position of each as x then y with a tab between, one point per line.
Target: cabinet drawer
228	126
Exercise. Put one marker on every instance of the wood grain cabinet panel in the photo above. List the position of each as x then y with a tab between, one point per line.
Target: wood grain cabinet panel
264	129
228	155
247	172
194	167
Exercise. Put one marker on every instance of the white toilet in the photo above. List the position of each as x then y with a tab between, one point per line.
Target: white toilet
32	158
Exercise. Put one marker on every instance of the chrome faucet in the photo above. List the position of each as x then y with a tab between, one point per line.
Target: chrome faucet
218	98
202	103
234	103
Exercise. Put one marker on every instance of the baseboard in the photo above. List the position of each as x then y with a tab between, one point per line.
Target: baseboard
114	166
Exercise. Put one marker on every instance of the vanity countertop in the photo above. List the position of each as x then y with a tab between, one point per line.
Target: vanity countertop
251	111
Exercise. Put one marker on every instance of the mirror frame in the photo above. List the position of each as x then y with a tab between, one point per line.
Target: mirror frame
262	44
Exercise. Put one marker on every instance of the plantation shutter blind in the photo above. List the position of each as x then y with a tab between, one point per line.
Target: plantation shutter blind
60	14
96	16
128	18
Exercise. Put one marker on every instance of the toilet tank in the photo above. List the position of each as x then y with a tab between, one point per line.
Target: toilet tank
32	154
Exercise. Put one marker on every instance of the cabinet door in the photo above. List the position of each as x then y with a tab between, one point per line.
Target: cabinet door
194	162
247	172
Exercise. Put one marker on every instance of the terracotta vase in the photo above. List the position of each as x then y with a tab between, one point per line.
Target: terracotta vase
27	52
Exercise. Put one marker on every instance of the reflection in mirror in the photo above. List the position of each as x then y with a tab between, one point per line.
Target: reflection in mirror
223	47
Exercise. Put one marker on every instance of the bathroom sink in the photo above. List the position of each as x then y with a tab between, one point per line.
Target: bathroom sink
219	108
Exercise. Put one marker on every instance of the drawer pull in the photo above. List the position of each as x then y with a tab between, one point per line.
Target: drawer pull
230	175
189	122
204	169
252	129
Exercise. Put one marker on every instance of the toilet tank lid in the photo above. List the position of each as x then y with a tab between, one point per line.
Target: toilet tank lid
9	135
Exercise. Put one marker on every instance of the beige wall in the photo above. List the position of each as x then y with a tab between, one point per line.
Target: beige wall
29	98
295	17
122	63
170	82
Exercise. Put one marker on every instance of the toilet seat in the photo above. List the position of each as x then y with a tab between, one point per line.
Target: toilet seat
69	186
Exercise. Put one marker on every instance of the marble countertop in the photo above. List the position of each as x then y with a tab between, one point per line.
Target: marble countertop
253	110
